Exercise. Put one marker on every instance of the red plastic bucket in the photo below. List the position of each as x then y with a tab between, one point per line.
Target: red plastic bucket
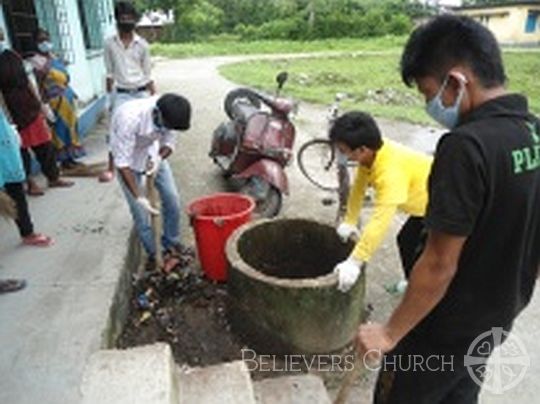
213	219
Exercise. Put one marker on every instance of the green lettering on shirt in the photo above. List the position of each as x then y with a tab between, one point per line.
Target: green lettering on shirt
533	130
528	158
519	159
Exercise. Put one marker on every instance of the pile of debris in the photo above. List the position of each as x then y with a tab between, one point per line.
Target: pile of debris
185	310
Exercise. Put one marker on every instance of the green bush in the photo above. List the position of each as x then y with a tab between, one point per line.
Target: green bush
399	25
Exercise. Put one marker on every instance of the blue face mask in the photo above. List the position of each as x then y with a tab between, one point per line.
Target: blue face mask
45	47
3	46
446	116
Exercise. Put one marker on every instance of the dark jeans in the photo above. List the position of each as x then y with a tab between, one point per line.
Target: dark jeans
15	190
442	378
411	241
46	157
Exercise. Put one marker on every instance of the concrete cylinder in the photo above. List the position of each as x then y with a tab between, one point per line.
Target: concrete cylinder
283	292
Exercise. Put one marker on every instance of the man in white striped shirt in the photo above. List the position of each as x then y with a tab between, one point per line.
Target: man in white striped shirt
141	140
128	65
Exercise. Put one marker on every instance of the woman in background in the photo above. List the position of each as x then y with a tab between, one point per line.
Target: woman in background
53	82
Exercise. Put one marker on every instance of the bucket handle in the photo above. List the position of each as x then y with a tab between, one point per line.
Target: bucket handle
218	221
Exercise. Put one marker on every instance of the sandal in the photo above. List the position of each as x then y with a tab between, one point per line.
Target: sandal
38	240
106	176
11	285
61	183
34	190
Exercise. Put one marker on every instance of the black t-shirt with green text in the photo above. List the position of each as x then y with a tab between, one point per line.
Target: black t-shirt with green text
485	185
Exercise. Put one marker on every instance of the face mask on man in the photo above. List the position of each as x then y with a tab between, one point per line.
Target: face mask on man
446	116
3	46
45	46
157	119
126	27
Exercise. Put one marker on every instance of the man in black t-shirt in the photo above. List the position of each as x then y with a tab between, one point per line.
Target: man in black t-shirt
481	261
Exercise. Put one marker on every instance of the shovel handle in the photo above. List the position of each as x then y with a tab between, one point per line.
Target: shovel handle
348	381
155	219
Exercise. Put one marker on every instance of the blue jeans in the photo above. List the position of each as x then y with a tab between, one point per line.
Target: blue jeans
170	210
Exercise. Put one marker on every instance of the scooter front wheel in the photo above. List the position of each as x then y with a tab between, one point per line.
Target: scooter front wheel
268	198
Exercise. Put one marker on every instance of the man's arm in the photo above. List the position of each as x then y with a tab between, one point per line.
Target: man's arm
429	282
109	68
147	69
129	179
355	200
165	151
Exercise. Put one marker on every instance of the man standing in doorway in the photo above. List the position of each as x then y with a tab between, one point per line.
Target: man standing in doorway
480	264
127	61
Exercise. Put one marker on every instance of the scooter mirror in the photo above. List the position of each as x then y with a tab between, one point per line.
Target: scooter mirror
282	78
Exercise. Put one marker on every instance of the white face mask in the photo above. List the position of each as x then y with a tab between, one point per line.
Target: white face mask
446	116
45	47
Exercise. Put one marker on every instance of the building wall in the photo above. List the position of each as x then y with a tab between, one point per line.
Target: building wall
507	23
88	71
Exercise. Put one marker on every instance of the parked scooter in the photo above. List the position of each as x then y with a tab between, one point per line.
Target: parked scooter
255	145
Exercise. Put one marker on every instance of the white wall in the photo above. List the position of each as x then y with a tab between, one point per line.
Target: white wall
88	71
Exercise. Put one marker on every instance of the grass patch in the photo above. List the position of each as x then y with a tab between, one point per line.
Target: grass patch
231	46
372	82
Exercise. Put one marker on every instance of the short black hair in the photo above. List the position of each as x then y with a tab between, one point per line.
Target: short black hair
175	110
446	40
125	8
356	129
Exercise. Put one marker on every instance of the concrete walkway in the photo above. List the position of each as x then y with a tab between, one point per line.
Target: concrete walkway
49	329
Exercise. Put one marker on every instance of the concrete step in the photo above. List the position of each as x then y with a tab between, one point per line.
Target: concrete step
142	375
227	383
301	389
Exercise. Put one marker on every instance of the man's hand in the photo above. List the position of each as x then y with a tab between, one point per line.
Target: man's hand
372	341
345	231
145	204
153	166
348	272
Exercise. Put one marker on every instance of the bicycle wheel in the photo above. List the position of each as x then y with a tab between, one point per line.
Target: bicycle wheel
317	160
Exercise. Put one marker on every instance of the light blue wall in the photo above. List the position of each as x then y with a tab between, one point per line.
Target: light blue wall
3	25
88	71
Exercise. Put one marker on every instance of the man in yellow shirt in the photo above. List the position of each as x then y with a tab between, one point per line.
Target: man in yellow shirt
398	176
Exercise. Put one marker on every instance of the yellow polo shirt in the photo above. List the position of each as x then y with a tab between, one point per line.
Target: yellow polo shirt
399	176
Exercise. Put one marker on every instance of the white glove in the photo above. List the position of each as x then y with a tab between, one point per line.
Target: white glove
345	231
153	165
348	272
145	204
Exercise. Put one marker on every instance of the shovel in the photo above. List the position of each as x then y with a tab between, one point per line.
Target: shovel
155	219
348	380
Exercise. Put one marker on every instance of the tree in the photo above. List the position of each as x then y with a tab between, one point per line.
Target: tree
487	2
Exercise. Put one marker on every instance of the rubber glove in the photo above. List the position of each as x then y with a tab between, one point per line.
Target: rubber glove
348	272
345	231
153	165
145	204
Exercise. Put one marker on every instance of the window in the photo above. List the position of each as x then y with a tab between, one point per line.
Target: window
93	20
53	17
22	22
532	21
